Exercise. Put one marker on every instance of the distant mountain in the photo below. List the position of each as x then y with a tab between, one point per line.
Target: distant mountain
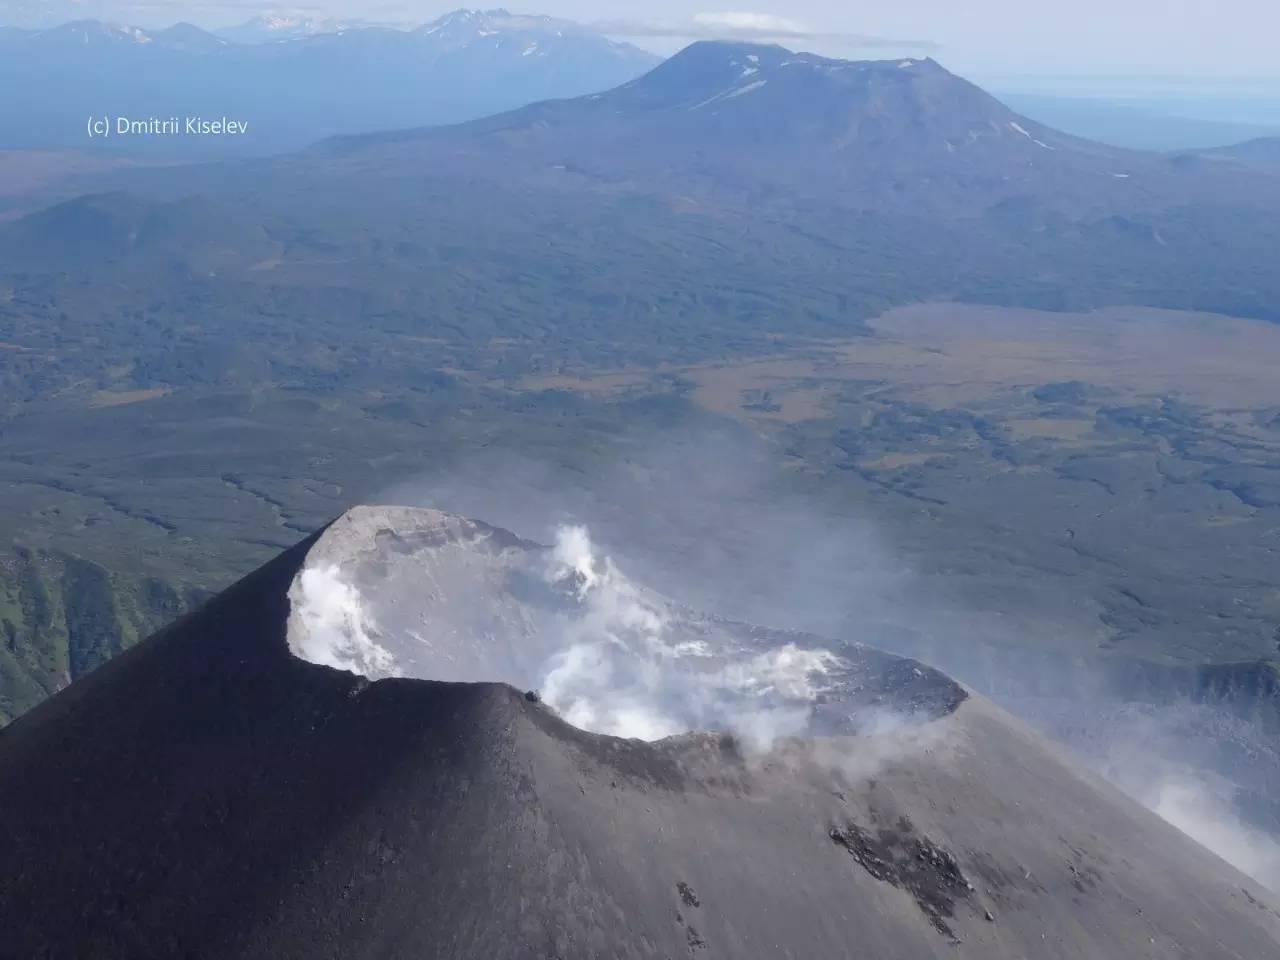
87	40
269	28
751	120
311	82
193	233
86	34
1137	127
1263	152
188	38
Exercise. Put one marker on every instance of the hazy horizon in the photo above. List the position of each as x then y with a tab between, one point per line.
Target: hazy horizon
1185	40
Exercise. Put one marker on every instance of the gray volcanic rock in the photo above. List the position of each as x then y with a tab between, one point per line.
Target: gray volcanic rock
210	795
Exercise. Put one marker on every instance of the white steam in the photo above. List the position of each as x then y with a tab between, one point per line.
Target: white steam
1158	757
332	626
1208	817
607	655
624	671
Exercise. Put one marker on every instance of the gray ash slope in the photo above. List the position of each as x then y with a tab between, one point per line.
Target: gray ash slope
210	795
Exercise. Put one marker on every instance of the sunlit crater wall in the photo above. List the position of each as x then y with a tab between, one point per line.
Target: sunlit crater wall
397	592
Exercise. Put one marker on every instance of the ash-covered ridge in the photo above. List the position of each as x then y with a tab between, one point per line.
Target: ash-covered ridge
414	593
209	794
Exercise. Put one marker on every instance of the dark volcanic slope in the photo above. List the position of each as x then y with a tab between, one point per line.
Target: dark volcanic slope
208	795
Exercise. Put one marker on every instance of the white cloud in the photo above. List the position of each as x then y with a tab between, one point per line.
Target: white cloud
747	25
750	22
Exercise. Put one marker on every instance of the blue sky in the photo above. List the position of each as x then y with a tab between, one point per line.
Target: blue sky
1127	37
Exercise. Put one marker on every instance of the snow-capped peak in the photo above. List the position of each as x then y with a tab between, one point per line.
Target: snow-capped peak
89	31
274	27
529	35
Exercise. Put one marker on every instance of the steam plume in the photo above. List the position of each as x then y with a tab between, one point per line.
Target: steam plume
608	655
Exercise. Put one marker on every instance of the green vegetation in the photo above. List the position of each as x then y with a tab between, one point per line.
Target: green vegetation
61	616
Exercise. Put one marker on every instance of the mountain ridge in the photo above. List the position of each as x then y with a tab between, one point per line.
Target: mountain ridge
717	76
755	118
297	89
458	28
1260	152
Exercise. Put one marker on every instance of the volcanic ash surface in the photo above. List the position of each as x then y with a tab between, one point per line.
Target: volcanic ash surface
399	592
